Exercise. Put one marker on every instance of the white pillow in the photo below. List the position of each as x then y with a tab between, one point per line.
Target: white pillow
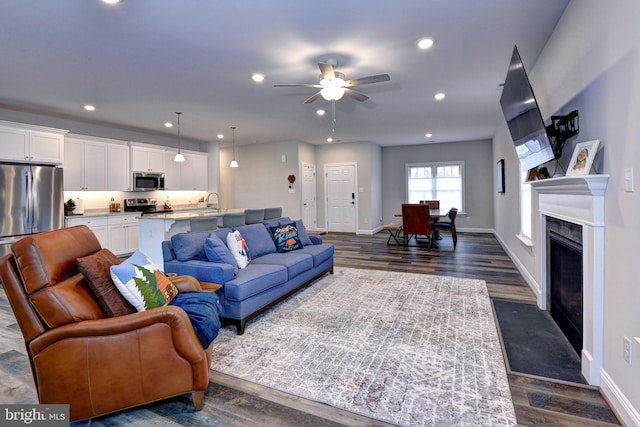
238	247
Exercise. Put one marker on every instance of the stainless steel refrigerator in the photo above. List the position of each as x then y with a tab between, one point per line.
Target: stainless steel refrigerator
31	201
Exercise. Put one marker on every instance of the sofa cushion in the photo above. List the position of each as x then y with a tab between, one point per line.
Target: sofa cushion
258	240
217	251
254	279
286	237
295	262
142	283
276	221
188	246
96	269
238	247
320	253
221	233
302	233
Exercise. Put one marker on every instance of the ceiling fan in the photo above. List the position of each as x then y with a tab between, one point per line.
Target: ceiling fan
333	85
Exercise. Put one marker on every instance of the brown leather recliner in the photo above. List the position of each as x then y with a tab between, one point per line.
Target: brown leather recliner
81	357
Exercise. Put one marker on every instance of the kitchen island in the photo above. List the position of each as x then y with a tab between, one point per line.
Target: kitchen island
154	229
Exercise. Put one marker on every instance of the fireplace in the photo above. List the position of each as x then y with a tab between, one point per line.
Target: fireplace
564	260
577	203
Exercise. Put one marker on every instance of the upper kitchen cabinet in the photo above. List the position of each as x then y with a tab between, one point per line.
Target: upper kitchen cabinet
118	172
146	159
190	175
96	164
85	165
31	144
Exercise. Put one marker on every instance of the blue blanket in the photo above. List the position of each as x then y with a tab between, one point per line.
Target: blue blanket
203	309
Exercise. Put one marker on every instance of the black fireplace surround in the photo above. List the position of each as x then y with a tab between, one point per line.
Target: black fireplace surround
564	243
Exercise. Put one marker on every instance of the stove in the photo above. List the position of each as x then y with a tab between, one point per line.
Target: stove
144	205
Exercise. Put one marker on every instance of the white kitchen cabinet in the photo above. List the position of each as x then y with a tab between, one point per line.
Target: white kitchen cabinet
193	172
31	144
123	233
144	159
190	175
98	224
118	171
85	165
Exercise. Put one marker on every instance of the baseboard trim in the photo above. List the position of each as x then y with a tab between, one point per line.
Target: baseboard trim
618	401
531	282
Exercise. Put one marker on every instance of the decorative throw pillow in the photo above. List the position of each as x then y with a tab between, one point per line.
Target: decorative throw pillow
302	233
238	247
95	269
286	237
217	251
142	283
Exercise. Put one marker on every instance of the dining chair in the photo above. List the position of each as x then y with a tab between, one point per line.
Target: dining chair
416	221
433	204
449	225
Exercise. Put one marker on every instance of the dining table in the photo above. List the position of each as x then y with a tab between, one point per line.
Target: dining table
395	228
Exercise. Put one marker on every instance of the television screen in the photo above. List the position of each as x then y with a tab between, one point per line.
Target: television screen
523	117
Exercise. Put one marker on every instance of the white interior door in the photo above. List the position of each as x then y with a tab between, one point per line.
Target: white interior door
309	213
341	197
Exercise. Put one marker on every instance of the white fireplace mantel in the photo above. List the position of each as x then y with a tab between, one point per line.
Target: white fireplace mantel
580	200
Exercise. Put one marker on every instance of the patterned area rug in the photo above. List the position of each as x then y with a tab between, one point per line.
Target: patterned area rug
408	349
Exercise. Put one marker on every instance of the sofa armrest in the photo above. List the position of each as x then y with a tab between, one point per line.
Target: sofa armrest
315	239
203	271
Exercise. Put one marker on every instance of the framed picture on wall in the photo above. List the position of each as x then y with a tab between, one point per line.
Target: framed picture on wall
582	158
500	176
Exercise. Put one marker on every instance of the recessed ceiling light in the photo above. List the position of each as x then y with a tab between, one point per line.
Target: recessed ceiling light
220	136
439	96
168	124
89	107
428	134
112	1
257	77
425	43
320	112
329	139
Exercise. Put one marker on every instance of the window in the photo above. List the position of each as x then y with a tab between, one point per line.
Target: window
436	181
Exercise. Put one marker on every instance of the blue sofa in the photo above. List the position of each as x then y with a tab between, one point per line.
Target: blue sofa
269	277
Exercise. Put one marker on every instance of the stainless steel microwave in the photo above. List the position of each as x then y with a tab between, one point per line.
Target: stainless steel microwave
148	181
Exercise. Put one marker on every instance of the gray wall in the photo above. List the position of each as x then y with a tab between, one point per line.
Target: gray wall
479	180
592	62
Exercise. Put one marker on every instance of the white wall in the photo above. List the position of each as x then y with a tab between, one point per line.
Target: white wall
261	179
592	62
479	182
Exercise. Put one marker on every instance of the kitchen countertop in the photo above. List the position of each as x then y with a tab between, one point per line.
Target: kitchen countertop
182	210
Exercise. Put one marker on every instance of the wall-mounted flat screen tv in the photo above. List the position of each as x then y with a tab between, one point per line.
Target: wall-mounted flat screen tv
523	117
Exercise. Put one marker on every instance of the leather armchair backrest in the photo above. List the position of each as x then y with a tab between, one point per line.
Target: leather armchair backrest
49	278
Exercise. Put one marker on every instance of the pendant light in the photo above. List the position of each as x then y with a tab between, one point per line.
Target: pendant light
179	158
233	163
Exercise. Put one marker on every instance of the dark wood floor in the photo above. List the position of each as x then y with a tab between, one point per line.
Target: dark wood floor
231	402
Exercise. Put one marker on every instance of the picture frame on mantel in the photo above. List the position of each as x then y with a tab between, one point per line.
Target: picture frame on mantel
582	157
500	176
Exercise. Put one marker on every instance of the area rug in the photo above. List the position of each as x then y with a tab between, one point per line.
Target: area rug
408	349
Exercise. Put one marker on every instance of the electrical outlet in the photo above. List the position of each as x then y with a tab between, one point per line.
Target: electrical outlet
626	350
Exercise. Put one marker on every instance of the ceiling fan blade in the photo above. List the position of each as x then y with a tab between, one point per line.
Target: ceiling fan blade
299	85
355	95
368	80
312	98
327	71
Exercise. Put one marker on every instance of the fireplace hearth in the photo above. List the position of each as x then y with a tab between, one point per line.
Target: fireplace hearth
565	278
